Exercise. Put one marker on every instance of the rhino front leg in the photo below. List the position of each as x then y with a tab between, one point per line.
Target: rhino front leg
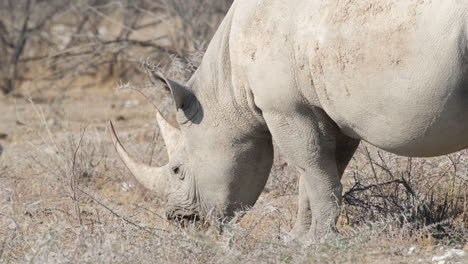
345	149
304	214
313	142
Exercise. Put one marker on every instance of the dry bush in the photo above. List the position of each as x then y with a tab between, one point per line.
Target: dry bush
417	193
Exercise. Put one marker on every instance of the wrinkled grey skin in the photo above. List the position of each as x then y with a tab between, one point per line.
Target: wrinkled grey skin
317	77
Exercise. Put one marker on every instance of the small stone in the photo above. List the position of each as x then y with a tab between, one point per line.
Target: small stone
131	103
450	254
411	250
52	122
126	186
12	225
457	252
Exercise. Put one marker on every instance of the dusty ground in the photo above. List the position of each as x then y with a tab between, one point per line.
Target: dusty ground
66	197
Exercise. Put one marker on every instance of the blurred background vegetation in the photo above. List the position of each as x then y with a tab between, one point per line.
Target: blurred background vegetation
57	42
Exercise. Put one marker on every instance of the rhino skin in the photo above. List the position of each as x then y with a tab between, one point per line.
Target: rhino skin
317	77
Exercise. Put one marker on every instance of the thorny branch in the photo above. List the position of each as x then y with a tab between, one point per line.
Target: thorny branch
120	216
412	204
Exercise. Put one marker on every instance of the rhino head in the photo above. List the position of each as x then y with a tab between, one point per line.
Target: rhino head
219	156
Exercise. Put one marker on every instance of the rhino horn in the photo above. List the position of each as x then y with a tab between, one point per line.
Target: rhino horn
170	134
153	178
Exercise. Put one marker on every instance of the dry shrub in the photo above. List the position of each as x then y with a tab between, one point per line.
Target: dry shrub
429	194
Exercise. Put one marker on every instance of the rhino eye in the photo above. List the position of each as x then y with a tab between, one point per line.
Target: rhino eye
176	170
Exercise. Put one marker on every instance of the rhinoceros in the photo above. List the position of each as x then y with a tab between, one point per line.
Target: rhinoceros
316	77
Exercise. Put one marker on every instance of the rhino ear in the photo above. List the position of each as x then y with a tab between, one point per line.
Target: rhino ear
179	92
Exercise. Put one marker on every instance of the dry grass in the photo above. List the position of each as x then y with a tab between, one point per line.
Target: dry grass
66	197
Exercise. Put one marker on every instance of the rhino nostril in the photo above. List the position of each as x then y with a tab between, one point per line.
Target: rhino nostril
176	171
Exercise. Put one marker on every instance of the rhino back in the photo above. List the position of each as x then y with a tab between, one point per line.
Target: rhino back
389	72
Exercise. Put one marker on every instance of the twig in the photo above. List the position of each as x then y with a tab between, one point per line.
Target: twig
19	47
2	246
378	185
371	163
119	216
73	178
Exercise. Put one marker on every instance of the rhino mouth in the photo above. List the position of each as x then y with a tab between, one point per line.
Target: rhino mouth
183	210
184	218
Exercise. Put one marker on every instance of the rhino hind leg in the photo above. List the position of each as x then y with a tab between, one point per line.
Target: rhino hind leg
311	141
